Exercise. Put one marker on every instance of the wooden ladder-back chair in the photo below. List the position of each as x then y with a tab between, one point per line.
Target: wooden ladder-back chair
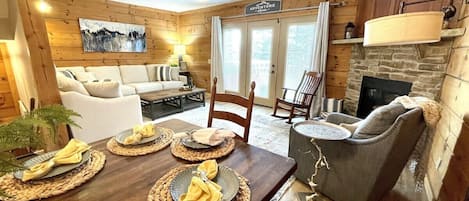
247	103
300	105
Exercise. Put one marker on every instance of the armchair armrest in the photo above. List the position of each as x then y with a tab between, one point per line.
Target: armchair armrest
337	118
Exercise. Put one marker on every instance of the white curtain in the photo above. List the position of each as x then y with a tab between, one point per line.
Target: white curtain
320	54
217	54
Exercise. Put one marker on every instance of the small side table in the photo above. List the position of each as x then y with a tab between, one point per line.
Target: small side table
318	130
188	76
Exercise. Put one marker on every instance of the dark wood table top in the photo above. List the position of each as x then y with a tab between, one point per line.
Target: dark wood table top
170	93
131	178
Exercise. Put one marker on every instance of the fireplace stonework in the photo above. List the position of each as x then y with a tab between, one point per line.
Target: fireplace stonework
400	63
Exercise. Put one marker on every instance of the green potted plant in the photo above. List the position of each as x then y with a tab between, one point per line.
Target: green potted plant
32	130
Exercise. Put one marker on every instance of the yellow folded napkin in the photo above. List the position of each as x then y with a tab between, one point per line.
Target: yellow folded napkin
211	136
200	190
139	132
70	154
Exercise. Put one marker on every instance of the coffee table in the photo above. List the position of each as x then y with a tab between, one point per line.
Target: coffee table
162	103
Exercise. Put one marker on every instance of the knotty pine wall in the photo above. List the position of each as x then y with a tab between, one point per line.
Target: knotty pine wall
447	181
65	40
195	32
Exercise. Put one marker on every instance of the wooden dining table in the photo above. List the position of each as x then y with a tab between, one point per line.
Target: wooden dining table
131	178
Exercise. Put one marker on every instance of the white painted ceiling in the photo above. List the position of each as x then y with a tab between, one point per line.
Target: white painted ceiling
176	5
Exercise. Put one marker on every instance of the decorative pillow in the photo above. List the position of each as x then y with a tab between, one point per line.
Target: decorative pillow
104	89
378	121
175	73
85	76
69	84
163	73
68	74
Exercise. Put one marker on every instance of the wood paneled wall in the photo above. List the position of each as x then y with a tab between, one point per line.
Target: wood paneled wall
8	93
450	182
65	40
195	28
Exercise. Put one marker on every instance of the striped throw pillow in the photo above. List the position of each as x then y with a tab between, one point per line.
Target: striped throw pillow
163	73
68	74
331	105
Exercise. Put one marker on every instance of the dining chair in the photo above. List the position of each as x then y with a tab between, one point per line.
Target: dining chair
300	104
247	103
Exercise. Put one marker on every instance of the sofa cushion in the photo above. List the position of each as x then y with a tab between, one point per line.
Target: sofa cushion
128	90
145	87
163	73
106	72
171	84
133	74
104	89
379	121
151	70
85	76
68	84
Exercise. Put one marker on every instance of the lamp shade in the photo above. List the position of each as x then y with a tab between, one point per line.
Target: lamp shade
404	29
179	49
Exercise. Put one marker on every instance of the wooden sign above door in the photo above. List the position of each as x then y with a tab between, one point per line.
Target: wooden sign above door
263	7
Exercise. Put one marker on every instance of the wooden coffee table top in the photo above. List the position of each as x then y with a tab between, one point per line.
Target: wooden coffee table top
170	93
131	178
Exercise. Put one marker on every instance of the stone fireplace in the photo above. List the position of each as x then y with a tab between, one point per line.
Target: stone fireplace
422	67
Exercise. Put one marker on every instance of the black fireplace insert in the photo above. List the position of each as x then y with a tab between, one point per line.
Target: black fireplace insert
376	92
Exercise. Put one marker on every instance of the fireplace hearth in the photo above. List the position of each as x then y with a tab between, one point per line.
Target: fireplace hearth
376	92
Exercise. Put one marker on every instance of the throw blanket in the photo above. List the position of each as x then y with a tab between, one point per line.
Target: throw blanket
431	109
431	113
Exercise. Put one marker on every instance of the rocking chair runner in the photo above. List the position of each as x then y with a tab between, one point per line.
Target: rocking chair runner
300	105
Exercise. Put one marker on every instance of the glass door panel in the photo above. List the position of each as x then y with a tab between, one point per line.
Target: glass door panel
262	58
232	58
296	51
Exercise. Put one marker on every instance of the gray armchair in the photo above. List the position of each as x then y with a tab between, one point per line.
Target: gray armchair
360	169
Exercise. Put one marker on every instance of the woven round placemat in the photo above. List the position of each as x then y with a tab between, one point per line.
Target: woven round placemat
40	189
160	191
137	150
180	151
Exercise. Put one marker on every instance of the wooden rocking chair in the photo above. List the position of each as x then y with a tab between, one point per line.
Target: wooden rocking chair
300	105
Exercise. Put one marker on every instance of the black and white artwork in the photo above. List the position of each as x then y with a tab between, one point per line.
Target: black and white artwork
102	36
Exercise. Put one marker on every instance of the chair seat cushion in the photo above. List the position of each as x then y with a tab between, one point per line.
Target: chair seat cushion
378	121
172	84
128	90
145	87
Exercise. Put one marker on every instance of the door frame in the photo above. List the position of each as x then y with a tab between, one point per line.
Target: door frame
275	25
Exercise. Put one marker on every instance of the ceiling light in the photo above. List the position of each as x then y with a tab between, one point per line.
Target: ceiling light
43	6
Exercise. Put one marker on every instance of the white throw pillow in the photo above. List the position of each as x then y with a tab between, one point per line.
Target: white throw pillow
110	89
85	76
68	84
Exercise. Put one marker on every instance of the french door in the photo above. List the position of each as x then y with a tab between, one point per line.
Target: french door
273	53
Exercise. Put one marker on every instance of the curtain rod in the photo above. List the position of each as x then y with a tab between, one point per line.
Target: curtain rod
340	4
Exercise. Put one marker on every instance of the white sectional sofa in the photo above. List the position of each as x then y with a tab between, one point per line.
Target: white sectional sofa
105	117
134	79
